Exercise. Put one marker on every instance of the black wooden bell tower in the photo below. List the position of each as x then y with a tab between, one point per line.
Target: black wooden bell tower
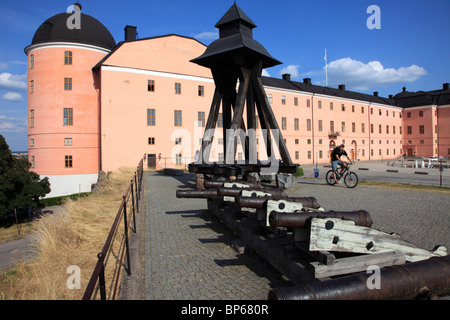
236	59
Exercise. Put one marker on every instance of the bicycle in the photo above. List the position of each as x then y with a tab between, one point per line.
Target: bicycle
350	178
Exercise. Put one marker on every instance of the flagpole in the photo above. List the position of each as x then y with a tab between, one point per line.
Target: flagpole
326	69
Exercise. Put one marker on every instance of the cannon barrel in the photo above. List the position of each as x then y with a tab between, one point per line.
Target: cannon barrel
203	194
217	184
300	219
400	282
260	202
234	192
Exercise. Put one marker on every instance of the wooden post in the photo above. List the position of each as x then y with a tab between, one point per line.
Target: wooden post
250	153
237	115
265	106
210	125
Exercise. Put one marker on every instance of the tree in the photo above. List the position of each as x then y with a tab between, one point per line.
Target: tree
19	187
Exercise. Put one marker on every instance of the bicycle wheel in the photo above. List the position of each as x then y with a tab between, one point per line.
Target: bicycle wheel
330	178
351	180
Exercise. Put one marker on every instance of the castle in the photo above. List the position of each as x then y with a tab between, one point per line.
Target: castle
97	105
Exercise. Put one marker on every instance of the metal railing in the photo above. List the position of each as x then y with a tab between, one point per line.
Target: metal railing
117	243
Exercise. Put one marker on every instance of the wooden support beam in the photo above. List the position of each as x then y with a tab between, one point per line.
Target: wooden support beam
210	127
265	126
237	115
266	108
357	264
250	153
332	234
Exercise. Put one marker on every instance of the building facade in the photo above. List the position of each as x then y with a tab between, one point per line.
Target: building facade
94	105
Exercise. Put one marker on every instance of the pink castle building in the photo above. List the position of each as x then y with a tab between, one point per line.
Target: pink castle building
96	105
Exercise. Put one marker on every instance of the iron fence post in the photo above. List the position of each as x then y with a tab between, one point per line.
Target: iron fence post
101	277
137	194
132	203
126	235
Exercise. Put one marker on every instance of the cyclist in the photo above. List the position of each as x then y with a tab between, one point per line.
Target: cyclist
336	155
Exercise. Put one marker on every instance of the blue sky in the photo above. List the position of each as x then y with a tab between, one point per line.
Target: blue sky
411	49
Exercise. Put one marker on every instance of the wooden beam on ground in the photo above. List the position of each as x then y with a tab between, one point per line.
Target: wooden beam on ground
357	264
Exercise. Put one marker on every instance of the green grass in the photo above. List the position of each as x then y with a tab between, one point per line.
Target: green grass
299	173
57	201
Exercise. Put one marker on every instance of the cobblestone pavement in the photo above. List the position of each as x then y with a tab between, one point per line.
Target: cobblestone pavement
189	254
419	217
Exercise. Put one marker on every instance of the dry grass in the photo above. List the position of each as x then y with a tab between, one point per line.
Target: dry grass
72	238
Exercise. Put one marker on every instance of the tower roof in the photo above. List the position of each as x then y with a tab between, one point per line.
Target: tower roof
235	38
91	31
234	14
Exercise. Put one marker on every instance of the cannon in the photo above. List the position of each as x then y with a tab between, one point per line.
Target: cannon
217	184
235	192
426	278
261	202
202	194
299	219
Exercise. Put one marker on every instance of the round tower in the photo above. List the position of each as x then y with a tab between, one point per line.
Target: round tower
63	100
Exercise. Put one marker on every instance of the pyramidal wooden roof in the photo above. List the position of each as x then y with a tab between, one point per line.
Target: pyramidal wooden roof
234	14
235	38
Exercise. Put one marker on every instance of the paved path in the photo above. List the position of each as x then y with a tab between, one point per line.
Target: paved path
23	249
188	252
422	218
378	171
12	251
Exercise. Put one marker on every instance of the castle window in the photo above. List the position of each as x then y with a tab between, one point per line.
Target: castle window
31	86
201	91
68	161
151	86
31	61
177	118
177	88
151	117
201	119
31	118
68	116
220	120
67	141
67	83
68	57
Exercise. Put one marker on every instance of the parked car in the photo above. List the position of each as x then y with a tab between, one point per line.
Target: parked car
433	158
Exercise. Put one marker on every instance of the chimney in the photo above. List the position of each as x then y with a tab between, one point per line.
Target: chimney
375	93
287	77
130	33
391	96
404	89
342	87
307	81
445	86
